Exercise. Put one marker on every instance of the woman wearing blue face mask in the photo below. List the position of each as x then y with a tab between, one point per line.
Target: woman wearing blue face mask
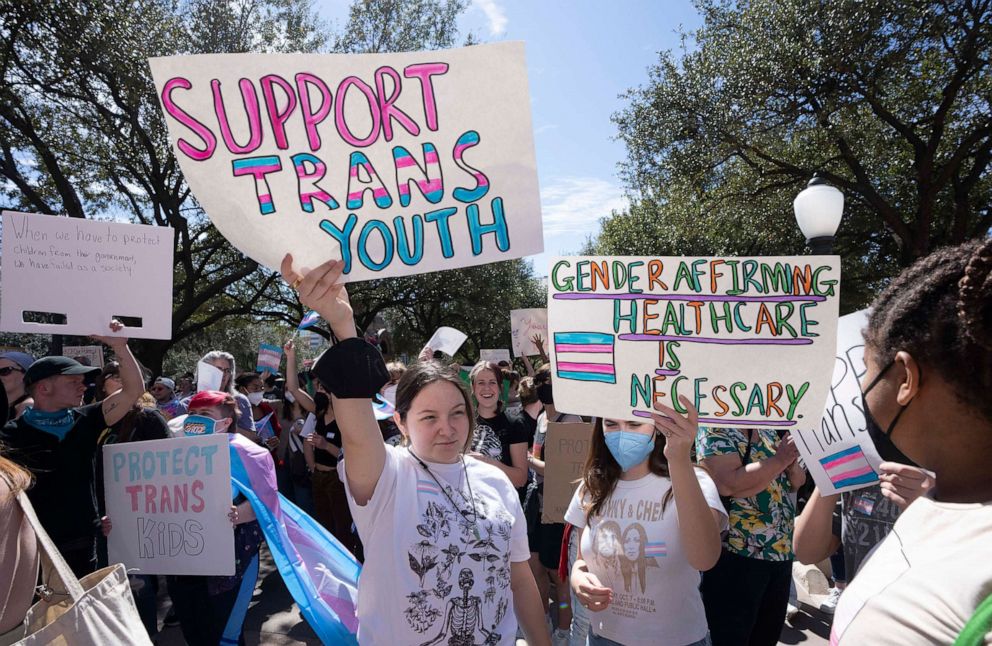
652	522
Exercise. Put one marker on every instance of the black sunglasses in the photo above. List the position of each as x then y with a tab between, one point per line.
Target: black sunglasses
6	370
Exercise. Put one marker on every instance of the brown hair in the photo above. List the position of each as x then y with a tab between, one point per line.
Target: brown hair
527	391
18	478
423	374
602	472
481	367
940	311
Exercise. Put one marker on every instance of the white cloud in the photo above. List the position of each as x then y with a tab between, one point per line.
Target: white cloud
542	129
577	204
495	14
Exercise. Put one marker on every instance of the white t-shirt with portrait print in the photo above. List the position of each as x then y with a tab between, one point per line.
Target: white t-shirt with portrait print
427	578
633	546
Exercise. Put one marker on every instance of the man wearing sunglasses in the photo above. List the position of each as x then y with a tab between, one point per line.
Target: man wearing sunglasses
56	438
12	368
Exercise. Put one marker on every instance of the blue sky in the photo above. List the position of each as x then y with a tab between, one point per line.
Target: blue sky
581	56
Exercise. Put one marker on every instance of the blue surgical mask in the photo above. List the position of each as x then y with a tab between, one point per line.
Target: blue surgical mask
200	425
629	448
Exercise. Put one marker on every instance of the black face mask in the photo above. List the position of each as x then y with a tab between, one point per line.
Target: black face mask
887	450
321	401
544	394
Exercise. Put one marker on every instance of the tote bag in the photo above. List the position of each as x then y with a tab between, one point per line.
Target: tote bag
97	610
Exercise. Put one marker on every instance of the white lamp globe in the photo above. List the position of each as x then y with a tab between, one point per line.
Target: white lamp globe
819	208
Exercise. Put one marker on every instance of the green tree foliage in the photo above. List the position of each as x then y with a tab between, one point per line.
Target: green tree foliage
81	131
890	100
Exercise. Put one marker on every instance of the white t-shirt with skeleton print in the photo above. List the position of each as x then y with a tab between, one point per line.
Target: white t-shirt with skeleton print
435	574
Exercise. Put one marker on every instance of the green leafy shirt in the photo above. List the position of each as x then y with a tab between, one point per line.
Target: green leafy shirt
760	526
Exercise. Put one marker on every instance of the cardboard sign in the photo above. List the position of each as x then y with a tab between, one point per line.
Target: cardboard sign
169	502
447	340
566	447
269	358
396	163
93	354
495	355
88	272
838	452
750	341
524	324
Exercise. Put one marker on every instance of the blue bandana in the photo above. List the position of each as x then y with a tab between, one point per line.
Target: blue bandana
57	423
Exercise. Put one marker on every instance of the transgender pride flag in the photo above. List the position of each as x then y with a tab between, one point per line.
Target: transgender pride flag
585	356
658	550
309	320
848	467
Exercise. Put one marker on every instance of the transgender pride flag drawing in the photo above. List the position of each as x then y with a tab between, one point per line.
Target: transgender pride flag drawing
585	356
848	467
659	549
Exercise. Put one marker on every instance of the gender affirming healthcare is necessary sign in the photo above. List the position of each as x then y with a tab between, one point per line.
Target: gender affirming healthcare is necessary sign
750	341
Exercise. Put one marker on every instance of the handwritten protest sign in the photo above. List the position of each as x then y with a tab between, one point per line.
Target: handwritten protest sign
447	340
92	354
396	163
838	451
524	324
87	272
495	355
566	447
269	357
749	340
169	502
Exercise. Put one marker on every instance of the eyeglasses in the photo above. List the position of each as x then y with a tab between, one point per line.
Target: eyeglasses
7	370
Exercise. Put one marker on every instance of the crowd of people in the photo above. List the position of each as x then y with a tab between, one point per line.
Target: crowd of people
433	477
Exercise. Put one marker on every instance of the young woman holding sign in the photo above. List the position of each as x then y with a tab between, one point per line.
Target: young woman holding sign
652	522
445	540
928	354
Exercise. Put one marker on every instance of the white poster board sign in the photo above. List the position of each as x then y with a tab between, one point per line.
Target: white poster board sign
208	377
750	341
524	324
495	355
169	502
93	354
396	163
447	340
87	271
838	452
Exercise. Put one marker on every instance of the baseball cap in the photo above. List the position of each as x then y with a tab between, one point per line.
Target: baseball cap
23	359
53	367
165	381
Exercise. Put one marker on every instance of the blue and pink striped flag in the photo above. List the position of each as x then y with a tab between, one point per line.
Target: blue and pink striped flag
319	572
309	320
848	467
585	356
659	549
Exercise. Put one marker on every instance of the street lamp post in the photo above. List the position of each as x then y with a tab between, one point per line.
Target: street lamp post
819	208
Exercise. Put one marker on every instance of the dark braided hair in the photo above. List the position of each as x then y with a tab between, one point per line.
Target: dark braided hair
940	311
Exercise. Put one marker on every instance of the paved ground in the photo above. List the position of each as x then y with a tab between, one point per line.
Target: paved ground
274	620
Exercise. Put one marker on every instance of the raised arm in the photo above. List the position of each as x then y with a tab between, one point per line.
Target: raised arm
814	539
698	526
293	379
362	441
116	406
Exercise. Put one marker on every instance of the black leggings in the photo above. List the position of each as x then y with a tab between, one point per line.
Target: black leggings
746	599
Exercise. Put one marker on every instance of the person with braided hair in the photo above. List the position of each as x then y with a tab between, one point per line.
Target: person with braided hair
928	354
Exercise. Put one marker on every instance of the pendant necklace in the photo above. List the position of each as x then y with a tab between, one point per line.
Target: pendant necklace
471	496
